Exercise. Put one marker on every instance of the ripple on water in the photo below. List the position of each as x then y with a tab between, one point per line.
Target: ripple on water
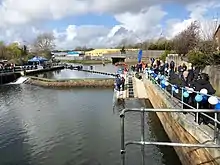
73	127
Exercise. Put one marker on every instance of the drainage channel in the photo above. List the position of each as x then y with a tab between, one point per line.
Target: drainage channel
130	87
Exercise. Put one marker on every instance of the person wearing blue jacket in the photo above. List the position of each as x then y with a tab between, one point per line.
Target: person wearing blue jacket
118	82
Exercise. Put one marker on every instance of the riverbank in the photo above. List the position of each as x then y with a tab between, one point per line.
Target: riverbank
72	83
86	62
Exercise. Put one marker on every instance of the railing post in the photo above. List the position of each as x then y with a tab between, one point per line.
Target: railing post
122	116
182	97
143	135
197	113
216	129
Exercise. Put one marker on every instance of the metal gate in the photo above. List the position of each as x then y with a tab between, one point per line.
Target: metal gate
142	142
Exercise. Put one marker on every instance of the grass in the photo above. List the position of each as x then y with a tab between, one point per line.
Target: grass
87	61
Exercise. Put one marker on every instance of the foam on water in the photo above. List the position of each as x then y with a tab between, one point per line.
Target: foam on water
20	80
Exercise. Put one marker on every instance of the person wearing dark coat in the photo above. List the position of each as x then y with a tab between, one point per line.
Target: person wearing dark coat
190	75
184	67
203	83
161	69
184	83
196	73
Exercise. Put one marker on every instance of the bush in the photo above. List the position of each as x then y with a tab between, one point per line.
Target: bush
164	55
197	58
216	58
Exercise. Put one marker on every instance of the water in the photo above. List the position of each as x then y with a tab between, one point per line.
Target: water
20	80
213	72
41	126
74	74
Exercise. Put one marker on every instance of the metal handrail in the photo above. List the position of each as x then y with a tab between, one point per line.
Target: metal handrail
181	101
183	88
143	142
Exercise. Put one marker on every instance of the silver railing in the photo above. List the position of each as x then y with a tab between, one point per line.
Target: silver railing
171	95
196	114
143	143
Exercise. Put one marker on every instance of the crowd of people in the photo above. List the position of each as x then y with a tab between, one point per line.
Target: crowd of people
189	78
6	67
182	77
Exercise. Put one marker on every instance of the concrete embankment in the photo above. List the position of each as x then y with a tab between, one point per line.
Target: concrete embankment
8	77
71	83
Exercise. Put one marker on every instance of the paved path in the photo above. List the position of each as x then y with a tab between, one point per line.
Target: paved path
139	89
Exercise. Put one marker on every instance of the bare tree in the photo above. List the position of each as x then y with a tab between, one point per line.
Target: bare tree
2	50
208	28
208	44
187	40
44	42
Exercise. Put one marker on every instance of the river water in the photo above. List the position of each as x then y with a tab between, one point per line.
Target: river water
41	126
74	74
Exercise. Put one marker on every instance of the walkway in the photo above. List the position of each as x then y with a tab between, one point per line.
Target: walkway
139	89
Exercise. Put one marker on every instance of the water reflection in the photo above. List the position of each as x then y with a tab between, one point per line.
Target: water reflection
74	74
69	127
213	72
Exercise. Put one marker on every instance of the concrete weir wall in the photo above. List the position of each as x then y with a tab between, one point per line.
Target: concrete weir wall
71	83
8	77
181	131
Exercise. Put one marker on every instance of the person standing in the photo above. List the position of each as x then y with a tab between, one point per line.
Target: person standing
123	83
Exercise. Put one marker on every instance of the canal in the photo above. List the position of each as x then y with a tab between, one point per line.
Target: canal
41	126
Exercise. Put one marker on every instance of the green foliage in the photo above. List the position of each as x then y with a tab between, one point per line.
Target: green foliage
165	54
8	52
13	53
161	45
197	58
216	57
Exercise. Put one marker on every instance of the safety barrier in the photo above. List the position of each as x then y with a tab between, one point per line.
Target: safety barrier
143	143
214	101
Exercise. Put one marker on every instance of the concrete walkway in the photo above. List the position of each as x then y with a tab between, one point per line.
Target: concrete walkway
139	89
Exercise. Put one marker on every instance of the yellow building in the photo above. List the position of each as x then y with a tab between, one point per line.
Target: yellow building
101	52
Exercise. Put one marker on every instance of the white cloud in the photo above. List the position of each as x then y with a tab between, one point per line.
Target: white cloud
198	12
133	28
138	20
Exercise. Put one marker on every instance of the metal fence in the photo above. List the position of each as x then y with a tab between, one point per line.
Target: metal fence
143	143
170	96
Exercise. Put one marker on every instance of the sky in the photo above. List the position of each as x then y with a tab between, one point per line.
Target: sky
102	24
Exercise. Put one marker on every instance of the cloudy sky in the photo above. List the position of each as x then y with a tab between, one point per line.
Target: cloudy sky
101	23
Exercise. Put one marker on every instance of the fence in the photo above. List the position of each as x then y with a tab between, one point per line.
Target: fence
177	95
